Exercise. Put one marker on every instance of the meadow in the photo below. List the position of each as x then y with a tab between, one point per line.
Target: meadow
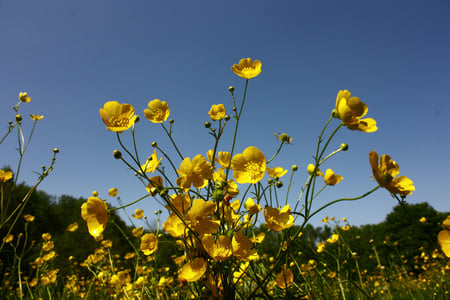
230	232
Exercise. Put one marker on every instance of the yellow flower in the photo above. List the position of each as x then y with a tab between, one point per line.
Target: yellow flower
156	182
350	110
250	166
5	175
36	117
23	96
276	172
311	170
72	227
446	222
247	68
231	188
444	241
117	117
152	163
193	271
385	172
46	236
95	213
217	112
334	238
29	218
222	158
325	220
284	279
423	220
278	220
331	179
242	246
107	243
252	207
113	192
194	173
157	111
320	247
8	239
346	228
138	214
137	232
149	243
259	238
219	249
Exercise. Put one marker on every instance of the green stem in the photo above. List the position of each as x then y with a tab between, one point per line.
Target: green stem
169	134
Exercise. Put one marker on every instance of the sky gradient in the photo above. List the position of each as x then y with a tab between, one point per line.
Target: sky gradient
73	56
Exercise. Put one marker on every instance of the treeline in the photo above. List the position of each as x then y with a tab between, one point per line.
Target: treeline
401	237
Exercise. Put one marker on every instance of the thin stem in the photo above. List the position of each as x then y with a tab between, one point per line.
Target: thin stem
169	134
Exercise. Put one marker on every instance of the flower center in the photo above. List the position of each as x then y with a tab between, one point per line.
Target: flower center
254	170
119	122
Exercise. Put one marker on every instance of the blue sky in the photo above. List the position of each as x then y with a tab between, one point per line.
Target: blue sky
73	56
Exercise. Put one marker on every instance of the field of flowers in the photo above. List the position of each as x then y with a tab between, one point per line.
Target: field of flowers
210	246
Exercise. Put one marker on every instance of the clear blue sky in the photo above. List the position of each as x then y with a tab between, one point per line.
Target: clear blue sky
73	56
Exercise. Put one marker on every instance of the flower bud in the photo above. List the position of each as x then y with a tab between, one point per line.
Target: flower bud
171	121
163	192
270	181
55	150
231	88
154	144
207	124
279	184
334	113
18	117
344	147
294	168
137	119
226	118
117	154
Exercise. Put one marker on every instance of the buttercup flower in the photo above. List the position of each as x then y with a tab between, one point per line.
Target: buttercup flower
36	117
284	279
29	218
219	249
117	117
350	110
152	163
331	179
95	213
247	68
320	247
444	242
5	175
385	172
334	238
217	112
251	206
113	192
311	170
23	96
222	158
138	214
250	166
194	173
276	172
242	247
72	227
149	244
157	111
278	220
156	182
193	271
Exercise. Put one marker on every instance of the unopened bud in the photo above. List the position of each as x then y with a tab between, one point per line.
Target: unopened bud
231	88
226	118
171	121
55	150
117	154
294	168
18	118
344	147
334	113
207	124
137	119
154	144
279	184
